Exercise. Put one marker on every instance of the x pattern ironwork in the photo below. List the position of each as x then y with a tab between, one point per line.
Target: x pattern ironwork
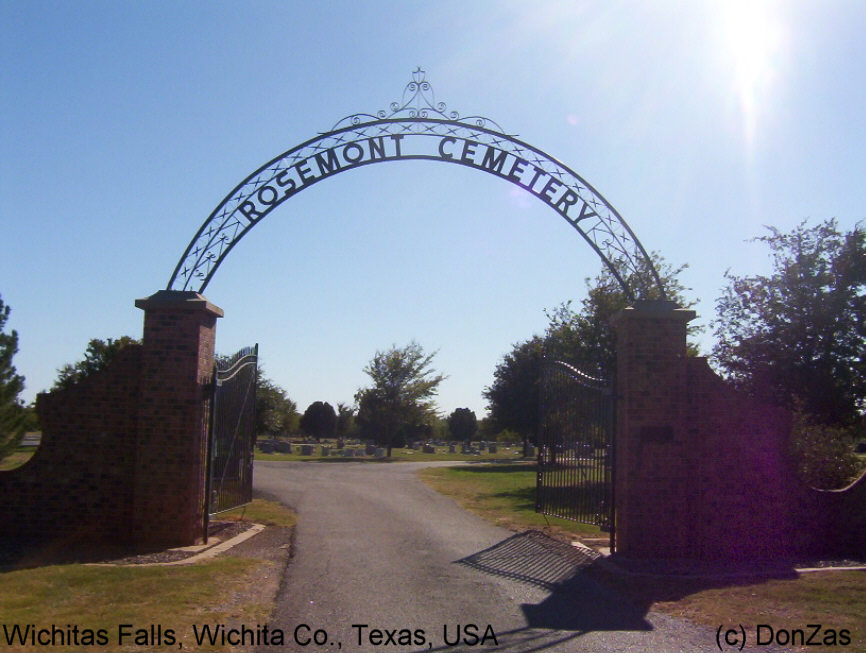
417	115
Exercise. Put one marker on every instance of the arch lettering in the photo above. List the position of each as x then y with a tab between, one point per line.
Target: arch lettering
417	129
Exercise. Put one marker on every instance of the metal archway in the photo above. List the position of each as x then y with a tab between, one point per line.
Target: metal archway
417	128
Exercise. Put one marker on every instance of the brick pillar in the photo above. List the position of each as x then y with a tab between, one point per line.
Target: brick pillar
177	368
653	466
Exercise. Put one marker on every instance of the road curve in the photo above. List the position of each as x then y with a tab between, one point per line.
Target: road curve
384	563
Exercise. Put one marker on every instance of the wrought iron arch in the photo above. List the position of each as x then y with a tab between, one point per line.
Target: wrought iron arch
418	127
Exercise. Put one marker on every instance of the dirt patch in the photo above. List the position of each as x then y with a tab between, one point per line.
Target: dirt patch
218	532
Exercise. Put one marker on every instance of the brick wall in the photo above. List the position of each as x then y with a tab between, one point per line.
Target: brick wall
837	524
123	453
78	481
702	470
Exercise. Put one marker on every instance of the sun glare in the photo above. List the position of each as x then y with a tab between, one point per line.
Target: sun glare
752	38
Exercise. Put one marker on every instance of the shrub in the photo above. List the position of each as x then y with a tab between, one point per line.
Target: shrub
824	455
507	435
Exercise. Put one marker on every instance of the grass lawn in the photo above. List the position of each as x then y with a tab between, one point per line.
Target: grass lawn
505	494
17	458
104	598
260	511
221	590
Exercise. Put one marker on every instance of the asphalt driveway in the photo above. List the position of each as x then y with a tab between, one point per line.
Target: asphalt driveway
383	563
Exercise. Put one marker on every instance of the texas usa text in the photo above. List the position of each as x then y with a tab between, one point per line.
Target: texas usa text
303	635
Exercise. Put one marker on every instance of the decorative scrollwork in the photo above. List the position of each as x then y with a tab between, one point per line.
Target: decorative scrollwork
418	101
419	127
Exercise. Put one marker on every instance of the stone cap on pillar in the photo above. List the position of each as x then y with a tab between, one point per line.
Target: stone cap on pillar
178	300
657	309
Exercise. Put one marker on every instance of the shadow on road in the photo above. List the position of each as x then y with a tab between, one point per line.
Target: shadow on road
577	602
582	597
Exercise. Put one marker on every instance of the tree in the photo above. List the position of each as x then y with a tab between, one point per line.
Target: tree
319	420
823	456
13	414
513	399
276	413
462	424
797	336
400	397
585	337
97	356
345	420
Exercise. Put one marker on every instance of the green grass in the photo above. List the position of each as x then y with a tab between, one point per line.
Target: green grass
261	511
503	494
96	598
17	458
226	589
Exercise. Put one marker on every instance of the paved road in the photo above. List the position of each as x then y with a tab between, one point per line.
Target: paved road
375	547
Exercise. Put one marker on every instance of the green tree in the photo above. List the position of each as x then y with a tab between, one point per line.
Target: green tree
345	420
587	336
401	395
319	420
462	424
13	414
97	356
584	337
823	455
513	399
487	429
797	336
276	413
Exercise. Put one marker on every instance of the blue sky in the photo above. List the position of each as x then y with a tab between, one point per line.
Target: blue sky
123	124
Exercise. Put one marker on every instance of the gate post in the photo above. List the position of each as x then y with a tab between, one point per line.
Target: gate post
652	457
171	450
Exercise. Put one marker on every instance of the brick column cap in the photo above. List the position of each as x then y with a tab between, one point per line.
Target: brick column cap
654	308
178	300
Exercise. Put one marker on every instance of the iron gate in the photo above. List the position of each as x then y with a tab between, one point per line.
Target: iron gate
575	446
232	431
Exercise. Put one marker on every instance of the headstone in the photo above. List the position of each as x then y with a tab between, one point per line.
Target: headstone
482	445
370	449
380	453
306	450
452	448
282	447
325	451
348	453
266	446
340	443
492	448
429	448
